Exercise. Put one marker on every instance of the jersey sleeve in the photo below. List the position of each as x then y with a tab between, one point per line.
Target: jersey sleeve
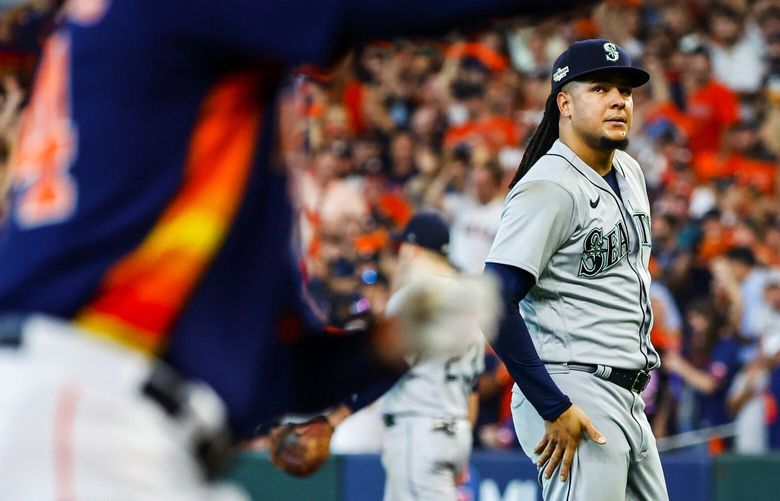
315	31
537	219
286	32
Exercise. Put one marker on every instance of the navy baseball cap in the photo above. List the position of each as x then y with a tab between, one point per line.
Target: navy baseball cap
428	230
589	56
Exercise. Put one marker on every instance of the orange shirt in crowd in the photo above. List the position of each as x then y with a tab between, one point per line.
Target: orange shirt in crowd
715	244
394	206
757	174
372	242
353	97
493	132
709	111
766	255
712	109
486	55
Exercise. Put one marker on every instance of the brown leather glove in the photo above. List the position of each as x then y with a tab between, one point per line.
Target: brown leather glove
300	449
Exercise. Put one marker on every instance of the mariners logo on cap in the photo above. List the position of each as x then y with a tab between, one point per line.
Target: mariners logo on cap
612	51
560	73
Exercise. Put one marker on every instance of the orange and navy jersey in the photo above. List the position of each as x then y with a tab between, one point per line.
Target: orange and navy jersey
146	207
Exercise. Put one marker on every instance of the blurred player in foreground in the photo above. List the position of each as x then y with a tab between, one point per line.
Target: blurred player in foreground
573	249
430	412
149	298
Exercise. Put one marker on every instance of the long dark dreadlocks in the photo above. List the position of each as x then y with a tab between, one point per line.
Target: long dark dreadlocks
544	137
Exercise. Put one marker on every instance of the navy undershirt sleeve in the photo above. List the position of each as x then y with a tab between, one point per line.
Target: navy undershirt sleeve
612	181
516	349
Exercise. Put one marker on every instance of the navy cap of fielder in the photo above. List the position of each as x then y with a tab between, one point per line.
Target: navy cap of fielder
428	230
589	56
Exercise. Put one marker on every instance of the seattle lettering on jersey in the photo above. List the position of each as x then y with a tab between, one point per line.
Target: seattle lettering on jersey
642	221
601	252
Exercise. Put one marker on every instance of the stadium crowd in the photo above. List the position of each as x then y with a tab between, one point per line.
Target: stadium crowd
401	126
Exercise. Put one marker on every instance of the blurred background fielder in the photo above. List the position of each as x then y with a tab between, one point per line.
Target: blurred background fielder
430	412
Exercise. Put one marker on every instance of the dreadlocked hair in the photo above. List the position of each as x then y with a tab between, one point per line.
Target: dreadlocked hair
542	140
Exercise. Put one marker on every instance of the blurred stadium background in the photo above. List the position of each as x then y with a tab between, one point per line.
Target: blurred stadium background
403	125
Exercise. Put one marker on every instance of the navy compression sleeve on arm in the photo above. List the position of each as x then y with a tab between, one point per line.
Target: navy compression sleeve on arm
516	349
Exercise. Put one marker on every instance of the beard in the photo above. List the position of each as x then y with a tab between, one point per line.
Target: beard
613	144
602	143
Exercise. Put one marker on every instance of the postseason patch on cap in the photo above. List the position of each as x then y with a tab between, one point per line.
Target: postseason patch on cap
560	73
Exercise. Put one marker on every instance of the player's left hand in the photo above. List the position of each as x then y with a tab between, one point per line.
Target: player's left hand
300	449
561	439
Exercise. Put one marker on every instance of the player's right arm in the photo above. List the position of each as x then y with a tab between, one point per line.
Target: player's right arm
537	219
564	421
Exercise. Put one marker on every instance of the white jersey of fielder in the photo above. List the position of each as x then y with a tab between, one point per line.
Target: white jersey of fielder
435	387
588	250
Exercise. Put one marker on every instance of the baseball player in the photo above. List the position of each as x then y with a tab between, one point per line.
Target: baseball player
148	242
572	249
430	412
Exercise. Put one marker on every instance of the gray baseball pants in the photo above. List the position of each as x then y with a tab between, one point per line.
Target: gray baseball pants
627	468
421	464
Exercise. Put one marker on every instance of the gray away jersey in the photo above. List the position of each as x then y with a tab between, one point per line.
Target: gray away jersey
436	387
589	252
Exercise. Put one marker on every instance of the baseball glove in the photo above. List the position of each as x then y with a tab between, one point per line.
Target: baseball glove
300	449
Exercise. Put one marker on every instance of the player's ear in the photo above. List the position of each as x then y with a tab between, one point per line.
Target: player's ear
564	103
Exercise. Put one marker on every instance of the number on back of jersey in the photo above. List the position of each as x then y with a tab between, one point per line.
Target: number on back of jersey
44	187
464	369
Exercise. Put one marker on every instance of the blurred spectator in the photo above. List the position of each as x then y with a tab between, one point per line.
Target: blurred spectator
742	269
666	336
706	108
474	214
621	22
329	197
710	363
534	50
402	167
747	402
495	429
769	326
752	399
736	42
10	104
768	315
